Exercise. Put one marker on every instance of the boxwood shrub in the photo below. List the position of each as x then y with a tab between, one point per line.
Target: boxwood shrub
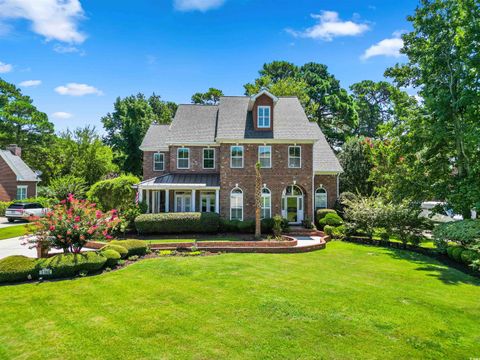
134	247
118	248
457	253
66	265
331	219
176	223
321	213
112	257
18	268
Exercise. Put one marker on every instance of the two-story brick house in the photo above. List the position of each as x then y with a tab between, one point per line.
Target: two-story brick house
205	160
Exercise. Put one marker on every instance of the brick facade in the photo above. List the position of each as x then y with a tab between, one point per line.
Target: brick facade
263	100
9	183
148	172
276	178
329	183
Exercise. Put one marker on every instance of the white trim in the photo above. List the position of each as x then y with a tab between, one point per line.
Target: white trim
265	167
203	158
243	206
264	107
154	148
269	208
327	172
231	157
178	150
265	92
294	167
217	201
264	141
163	161
192	143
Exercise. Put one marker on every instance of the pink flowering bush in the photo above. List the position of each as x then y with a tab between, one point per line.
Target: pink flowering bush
71	224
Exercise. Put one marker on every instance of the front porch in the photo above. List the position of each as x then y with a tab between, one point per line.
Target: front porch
181	193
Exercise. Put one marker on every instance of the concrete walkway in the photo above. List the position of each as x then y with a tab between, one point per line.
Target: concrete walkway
303	241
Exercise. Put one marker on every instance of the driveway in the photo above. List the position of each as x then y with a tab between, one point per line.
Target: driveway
4	222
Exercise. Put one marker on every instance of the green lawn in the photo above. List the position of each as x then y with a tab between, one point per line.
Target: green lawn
348	301
13	231
192	239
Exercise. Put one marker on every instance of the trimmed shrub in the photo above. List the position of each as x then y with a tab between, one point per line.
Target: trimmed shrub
331	219
328	230
66	265
457	254
450	249
469	256
339	232
134	247
117	193
112	257
321	213
18	268
465	233
176	223
118	248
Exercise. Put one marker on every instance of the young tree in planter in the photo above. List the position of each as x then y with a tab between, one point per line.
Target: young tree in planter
258	201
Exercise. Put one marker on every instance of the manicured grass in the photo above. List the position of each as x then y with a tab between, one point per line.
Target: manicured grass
192	239
13	231
348	301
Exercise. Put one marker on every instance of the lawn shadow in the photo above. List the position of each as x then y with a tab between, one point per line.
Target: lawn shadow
443	269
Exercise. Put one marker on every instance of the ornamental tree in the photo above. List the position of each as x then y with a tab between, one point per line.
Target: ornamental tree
71	224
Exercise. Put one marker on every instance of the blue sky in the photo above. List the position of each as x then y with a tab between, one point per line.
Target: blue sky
74	57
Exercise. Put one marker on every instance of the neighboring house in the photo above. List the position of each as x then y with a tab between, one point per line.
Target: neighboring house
17	180
205	160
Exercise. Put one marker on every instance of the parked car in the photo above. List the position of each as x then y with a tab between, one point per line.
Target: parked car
22	211
440	212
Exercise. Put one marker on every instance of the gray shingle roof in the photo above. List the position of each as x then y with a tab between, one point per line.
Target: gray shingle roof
18	166
193	123
155	138
324	159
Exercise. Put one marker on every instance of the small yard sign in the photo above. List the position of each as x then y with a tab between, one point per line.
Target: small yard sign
45	271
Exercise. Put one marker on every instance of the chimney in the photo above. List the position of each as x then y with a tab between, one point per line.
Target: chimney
15	150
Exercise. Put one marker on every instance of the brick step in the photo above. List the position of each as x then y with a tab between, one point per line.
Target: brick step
300	231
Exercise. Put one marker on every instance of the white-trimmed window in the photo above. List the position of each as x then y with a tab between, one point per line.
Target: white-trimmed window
294	156
236	204
266	204
236	156
265	156
263	116
158	162
183	158
321	198
21	192
209	158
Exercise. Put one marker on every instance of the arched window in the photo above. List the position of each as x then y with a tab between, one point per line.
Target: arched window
293	190
321	198
236	204
266	204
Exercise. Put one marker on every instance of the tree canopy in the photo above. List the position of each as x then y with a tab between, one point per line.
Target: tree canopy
211	97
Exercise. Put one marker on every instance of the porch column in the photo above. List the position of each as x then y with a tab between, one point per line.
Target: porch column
167	200
148	200
140	194
193	200
217	201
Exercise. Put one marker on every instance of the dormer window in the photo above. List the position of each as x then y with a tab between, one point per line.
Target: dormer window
263	117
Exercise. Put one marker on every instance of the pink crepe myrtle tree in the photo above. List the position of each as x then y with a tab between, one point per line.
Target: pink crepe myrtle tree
71	224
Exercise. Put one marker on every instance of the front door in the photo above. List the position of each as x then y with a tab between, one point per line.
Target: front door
183	202
294	206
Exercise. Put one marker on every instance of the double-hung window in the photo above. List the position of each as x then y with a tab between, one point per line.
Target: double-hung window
265	156
294	156
21	192
266	204
209	158
263	116
158	162
236	156
183	158
321	199
236	204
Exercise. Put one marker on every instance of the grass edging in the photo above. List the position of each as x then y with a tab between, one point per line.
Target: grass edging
433	253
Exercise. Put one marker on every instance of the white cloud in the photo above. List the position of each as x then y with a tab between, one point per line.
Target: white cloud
5	68
200	5
61	115
69	49
330	26
53	19
30	83
75	89
387	47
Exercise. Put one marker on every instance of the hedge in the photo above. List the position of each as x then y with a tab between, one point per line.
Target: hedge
176	223
134	247
112	257
66	265
248	226
457	253
18	268
118	248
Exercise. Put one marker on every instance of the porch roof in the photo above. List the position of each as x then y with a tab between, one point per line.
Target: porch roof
183	180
